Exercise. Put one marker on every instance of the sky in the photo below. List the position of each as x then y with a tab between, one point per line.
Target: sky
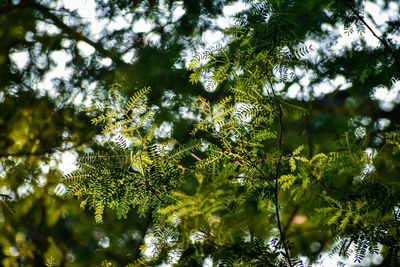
86	9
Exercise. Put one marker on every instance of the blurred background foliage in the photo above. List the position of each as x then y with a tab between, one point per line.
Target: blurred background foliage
54	62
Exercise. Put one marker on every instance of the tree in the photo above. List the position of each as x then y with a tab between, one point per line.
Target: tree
245	189
246	143
42	116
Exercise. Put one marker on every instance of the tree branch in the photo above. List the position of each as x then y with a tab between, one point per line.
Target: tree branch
278	164
381	39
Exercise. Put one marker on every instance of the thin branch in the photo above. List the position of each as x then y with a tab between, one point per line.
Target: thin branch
194	156
276	189
278	164
255	166
153	191
141	171
260	171
381	39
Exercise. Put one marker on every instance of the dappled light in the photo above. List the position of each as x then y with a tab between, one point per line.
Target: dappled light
199	133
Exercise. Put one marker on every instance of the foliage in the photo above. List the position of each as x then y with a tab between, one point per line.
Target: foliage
251	172
243	176
42	115
135	171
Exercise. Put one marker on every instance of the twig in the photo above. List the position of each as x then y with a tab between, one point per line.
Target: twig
141	172
381	39
194	156
256	167
260	171
278	164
